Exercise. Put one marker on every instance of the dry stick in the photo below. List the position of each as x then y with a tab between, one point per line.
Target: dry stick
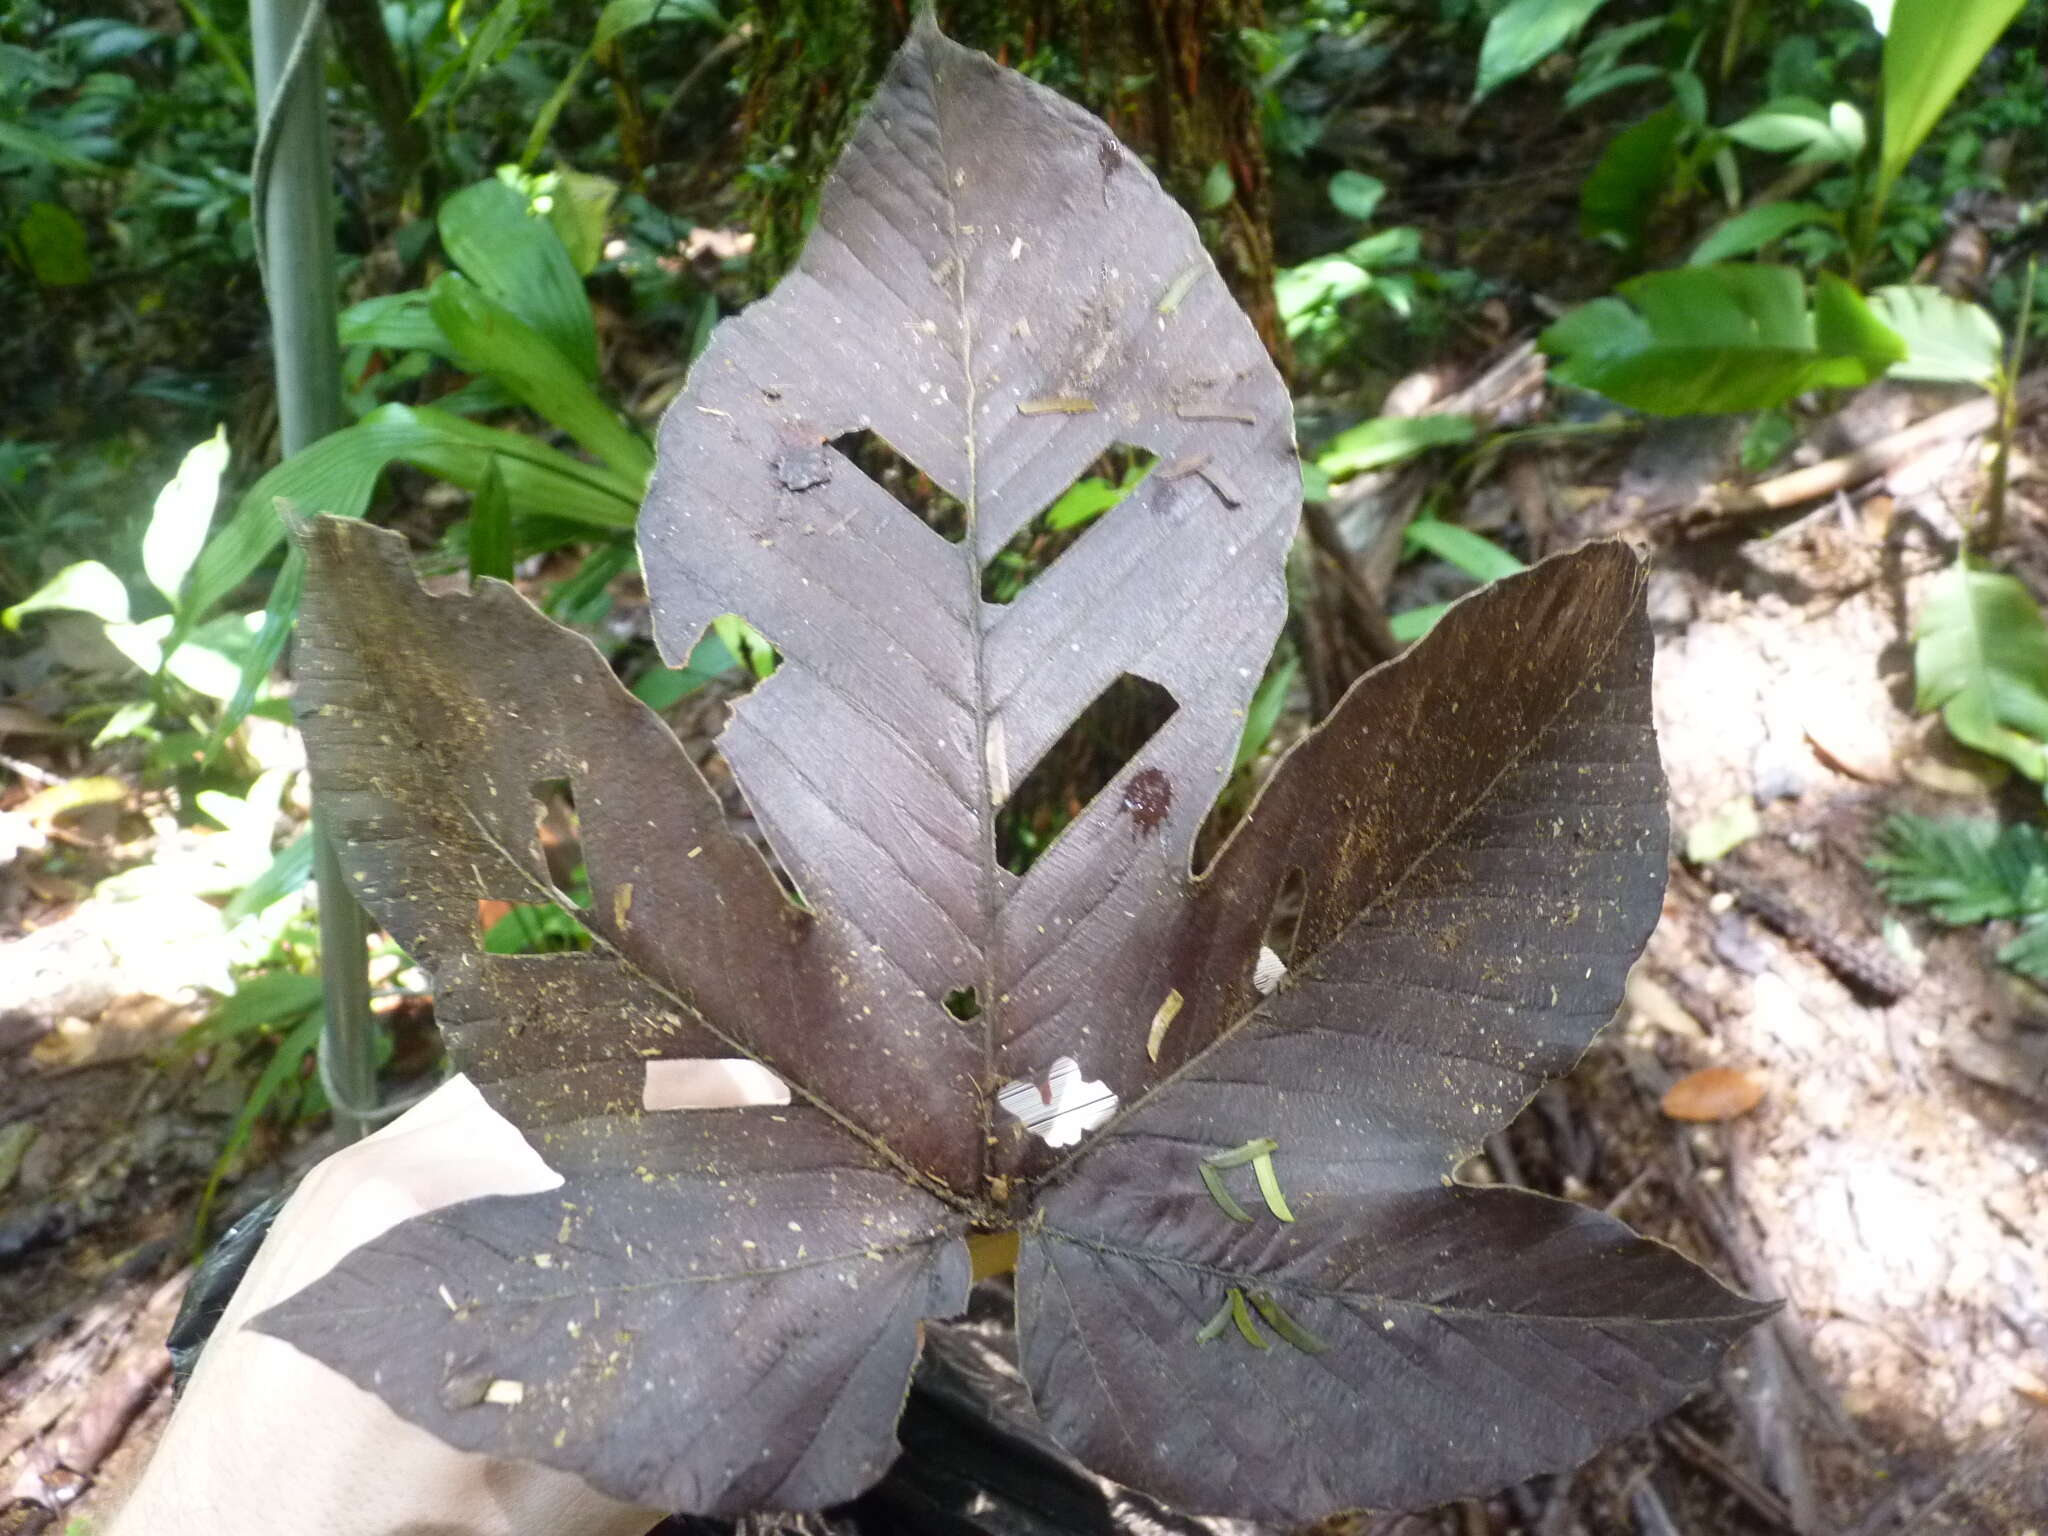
1696	1449
1364	603
1866	463
1776	1356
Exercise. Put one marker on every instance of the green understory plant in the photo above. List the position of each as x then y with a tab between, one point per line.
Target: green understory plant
1717	336
512	313
1966	871
1247	1280
190	669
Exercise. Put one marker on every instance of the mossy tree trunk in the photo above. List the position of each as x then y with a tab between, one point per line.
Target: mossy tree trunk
1168	76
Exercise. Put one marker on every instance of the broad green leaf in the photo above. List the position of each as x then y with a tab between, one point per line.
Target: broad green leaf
1700	340
1304	291
1474	554
55	244
207	662
401	322
579	205
1388	440
131	719
1981	657
1948	341
1355	194
1930	49
249	822
1751	230
516	257
181	516
1524	34
290	869
1218	187
87	587
489	338
623	16
1811	133
1594	86
661	688
339	473
1617	198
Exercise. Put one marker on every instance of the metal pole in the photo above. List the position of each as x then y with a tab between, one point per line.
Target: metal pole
295	235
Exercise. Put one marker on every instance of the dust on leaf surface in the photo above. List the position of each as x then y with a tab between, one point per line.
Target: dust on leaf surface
1248	1285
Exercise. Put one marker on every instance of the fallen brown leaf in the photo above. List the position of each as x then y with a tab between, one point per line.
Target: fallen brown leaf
1713	1093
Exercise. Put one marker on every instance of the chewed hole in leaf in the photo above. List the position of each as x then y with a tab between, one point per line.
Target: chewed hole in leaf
1113	476
1081	764
964	1003
701	1082
558	833
528	928
910	486
1060	1106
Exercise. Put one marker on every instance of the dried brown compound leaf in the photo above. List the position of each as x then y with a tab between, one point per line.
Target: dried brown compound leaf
1247	1282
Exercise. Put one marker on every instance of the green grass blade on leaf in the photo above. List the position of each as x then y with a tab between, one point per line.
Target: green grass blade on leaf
1220	1193
1701	340
517	258
1981	657
488	338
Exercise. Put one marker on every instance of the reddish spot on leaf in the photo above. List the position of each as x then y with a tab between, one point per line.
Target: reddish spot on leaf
1713	1093
1147	799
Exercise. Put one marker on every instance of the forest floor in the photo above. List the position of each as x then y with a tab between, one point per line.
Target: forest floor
1888	1186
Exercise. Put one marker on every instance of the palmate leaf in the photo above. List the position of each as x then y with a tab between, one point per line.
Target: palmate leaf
719	1309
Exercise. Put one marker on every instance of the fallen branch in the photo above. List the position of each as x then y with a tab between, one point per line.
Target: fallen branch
1801	486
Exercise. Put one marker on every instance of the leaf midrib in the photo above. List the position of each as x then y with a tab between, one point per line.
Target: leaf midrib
930	1183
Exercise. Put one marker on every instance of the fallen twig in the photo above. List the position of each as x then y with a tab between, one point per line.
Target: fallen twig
1800	486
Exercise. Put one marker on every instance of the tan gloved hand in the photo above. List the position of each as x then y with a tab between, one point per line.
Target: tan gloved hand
268	1442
